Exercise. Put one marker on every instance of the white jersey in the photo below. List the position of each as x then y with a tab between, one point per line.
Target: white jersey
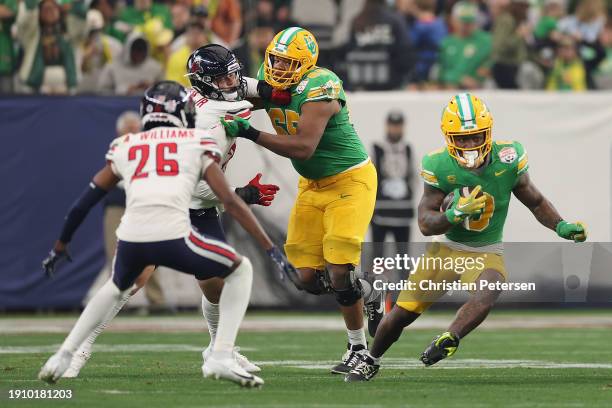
208	114
160	168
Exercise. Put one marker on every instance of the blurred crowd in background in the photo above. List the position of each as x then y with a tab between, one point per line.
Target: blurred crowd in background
121	47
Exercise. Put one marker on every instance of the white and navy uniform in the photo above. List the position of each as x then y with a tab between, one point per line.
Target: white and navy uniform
204	203
161	168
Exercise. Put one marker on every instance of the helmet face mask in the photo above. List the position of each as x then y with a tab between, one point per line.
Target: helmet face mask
212	64
466	116
167	103
297	51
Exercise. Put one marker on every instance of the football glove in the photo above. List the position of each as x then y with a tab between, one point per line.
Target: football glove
463	207
55	256
285	268
240	127
280	97
575	231
257	193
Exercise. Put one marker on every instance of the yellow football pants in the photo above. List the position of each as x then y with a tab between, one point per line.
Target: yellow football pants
330	218
440	265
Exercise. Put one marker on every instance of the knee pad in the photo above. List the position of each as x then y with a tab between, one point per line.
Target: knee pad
320	286
351	292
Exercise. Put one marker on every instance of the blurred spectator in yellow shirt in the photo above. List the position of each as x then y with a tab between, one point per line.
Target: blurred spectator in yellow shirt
195	37
568	73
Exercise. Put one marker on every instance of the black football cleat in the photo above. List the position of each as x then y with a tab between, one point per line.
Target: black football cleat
365	370
349	359
444	345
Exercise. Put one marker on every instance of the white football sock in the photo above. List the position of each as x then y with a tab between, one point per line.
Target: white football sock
356	337
211	315
88	343
375	359
103	305
232	307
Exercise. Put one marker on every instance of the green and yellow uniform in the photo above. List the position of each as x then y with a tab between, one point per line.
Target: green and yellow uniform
507	161
337	186
476	238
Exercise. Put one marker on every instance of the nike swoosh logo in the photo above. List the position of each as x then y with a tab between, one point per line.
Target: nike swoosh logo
250	377
499	173
381	309
344	195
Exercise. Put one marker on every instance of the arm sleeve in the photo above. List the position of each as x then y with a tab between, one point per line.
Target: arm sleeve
522	162
427	172
323	85
110	157
210	152
79	210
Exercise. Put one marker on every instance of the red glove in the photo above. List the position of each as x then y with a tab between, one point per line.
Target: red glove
257	193
266	191
280	97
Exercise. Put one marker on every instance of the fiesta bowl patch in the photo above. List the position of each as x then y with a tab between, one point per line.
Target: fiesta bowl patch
507	154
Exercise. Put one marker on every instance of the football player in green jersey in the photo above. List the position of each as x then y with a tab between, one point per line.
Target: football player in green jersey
481	174
337	186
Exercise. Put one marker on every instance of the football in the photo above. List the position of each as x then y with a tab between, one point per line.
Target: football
448	200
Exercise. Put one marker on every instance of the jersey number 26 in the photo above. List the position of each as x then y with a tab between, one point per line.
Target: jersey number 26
163	165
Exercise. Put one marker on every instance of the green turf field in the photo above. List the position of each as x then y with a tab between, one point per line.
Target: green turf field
566	367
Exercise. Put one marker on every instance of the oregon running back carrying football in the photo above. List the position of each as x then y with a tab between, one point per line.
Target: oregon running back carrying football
337	187
471	227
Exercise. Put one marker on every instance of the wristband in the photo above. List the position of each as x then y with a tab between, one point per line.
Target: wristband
90	197
250	133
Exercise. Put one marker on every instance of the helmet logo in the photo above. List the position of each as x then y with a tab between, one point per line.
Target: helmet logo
468	124
195	66
310	44
280	47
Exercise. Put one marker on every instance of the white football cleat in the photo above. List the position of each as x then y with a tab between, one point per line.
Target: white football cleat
79	359
244	362
240	359
229	369
55	366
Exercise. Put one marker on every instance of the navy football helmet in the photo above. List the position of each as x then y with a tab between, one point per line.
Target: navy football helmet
167	103
210	63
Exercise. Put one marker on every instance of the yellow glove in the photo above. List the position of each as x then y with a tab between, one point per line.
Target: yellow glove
463	207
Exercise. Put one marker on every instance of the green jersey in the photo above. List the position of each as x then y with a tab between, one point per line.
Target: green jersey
507	162
339	148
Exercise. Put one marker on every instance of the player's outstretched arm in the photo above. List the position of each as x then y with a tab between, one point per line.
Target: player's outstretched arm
545	212
235	206
432	221
302	144
103	181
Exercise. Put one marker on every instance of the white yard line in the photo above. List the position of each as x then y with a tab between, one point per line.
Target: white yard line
412	364
388	363
293	323
114	348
